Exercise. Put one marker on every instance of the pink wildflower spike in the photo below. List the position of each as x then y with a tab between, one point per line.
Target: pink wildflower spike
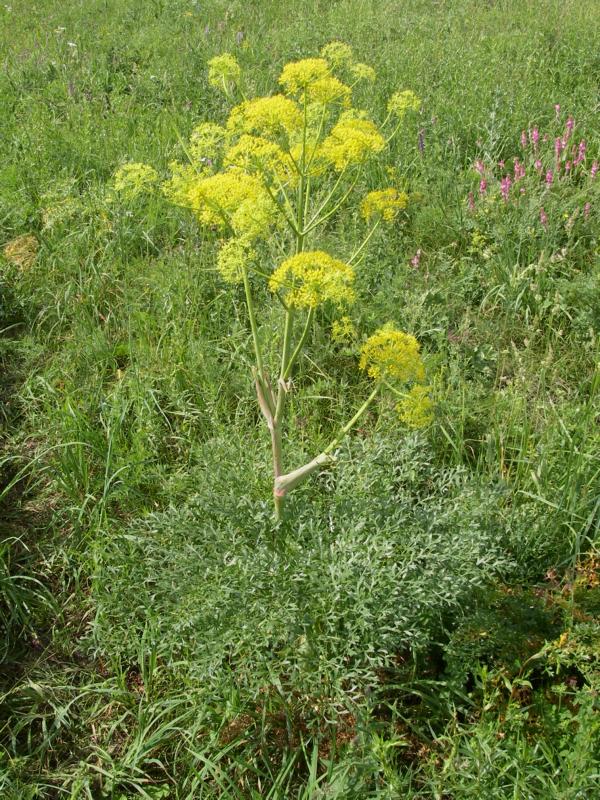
594	170
538	164
586	210
558	147
501	164
557	109
523	139
549	178
416	259
535	138
471	201
570	126
519	170
480	166
568	166
505	185
482	186
581	152
543	218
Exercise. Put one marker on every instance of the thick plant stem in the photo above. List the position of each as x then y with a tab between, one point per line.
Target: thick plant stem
286	483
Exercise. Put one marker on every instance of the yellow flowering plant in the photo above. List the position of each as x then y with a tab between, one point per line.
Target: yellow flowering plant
277	169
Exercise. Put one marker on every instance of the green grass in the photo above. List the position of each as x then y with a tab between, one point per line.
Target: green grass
427	627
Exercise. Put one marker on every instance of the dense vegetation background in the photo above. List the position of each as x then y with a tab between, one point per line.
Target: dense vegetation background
427	623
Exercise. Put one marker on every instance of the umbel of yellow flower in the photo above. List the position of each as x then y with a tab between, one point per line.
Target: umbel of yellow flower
392	354
338	54
401	102
206	142
234	201
312	81
310	279
351	141
135	179
234	256
223	71
266	116
384	203
255	154
416	407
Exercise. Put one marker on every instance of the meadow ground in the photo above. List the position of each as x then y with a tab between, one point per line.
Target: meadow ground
425	622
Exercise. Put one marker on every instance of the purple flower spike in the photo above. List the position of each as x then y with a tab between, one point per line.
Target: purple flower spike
538	164
416	259
586	210
549	178
523	139
505	185
543	218
594	169
535	138
482	186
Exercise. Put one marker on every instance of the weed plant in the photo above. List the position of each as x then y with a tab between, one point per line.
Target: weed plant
424	624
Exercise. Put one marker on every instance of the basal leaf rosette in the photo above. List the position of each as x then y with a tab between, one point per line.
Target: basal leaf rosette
310	279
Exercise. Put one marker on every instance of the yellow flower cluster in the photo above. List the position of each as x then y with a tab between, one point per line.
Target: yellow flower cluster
338	54
234	255
351	141
266	116
298	75
223	71
206	142
310	279
135	179
363	72
313	82
233	200
416	408
21	251
393	354
401	102
384	203
255	154
343	330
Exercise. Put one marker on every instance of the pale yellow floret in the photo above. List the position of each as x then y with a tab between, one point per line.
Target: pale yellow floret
416	408
363	72
338	54
351	141
233	200
255	154
206	142
384	203
343	330
223	71
183	177
134	179
266	116
401	102
392	354
298	75
328	90
234	256
307	280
